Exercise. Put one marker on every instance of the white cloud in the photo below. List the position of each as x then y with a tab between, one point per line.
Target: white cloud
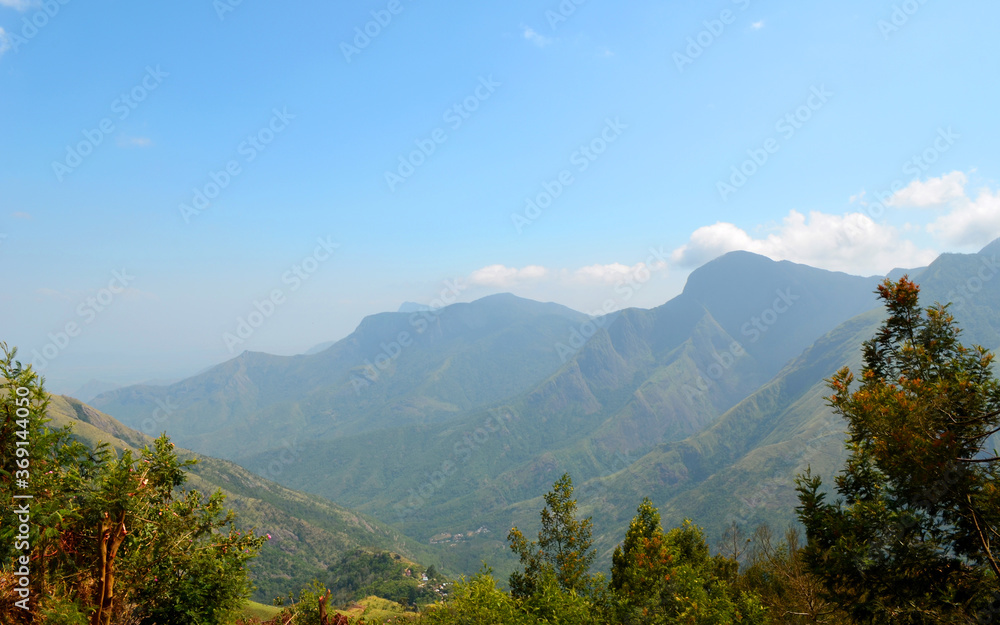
970	222
962	220
503	276
4	41
852	243
757	25
19	5
933	192
531	35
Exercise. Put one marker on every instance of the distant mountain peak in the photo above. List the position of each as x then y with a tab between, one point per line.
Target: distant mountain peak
992	248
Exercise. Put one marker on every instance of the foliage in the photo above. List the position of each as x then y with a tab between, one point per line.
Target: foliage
564	545
112	538
361	573
672	578
911	540
777	573
478	601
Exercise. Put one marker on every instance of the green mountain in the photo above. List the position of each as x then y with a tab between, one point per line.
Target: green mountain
709	404
396	369
308	533
741	469
644	378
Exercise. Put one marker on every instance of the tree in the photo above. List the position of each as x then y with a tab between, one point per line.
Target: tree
671	577
777	573
913	537
564	545
112	537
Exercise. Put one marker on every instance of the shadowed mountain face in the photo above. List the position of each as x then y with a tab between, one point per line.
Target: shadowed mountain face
396	369
709	404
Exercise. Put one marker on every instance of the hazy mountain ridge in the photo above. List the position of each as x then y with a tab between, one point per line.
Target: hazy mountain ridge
642	379
393	370
692	403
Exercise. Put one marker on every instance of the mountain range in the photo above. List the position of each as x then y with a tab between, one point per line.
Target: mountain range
449	424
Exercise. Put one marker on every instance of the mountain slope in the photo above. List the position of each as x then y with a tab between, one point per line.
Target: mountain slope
395	369
742	468
308	533
644	378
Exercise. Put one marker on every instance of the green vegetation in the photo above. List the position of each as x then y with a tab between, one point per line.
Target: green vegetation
657	578
306	531
912	538
361	574
110	537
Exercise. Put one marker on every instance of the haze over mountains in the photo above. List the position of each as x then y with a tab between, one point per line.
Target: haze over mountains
442	422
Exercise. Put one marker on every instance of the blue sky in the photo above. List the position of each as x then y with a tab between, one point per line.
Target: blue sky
412	152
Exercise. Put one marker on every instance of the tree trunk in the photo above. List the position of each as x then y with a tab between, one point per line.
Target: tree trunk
323	620
111	538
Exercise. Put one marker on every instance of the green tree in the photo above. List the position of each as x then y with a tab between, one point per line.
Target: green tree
671	577
912	537
478	601
112	538
564	545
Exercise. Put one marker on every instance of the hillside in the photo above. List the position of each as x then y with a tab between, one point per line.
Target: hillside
308	533
742	468
645	377
396	369
710	404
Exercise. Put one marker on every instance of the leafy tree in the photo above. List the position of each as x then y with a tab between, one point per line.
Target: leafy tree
642	550
672	578
112	537
912	538
564	545
478	601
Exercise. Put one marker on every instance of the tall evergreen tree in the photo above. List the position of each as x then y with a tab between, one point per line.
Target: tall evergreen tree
913	537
